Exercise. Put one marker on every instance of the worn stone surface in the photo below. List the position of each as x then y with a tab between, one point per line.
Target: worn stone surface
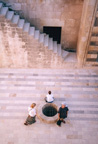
17	93
63	13
19	50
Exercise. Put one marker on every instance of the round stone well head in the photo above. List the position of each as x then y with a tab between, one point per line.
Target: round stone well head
47	112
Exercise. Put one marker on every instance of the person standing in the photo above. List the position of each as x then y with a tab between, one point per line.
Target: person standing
49	97
32	115
62	113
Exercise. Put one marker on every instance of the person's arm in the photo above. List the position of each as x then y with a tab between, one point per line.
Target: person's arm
46	98
67	111
59	114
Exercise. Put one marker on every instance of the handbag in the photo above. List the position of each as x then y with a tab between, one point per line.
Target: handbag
59	122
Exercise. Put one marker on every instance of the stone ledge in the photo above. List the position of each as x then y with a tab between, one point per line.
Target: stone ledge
44	118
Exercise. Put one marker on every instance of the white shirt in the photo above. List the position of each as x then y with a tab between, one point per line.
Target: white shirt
49	97
32	111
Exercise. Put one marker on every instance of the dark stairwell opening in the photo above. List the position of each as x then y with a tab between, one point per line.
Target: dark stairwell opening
53	32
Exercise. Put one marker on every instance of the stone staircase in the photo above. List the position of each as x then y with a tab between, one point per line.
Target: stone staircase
79	88
41	37
92	55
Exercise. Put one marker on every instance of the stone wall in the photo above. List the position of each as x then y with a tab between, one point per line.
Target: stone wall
87	49
19	50
63	13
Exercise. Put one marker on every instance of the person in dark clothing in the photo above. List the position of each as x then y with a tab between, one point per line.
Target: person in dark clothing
62	114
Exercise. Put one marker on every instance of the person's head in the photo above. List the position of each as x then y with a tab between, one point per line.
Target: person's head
49	92
63	105
33	105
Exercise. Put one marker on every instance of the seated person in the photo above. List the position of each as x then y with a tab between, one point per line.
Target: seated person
49	97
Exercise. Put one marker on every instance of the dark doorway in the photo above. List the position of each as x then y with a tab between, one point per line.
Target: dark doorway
53	32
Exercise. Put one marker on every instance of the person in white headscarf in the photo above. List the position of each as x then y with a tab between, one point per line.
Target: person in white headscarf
32	115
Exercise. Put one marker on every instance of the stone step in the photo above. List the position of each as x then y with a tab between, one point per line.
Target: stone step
44	73
93	48
1	5
92	56
83	115
9	76
94	38
55	78
93	63
55	46
50	47
59	50
15	19
41	38
32	31
49	72
72	101
93	52
48	84
97	14
64	53
21	23
16	107
46	41
26	27
79	117
37	34
42	87
72	57
81	102
23	107
54	72
41	91
95	29
52	79
58	97
10	15
82	110
72	113
73	119
3	11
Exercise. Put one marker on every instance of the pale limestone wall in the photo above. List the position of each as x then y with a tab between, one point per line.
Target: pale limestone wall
64	13
87	22
19	50
11	47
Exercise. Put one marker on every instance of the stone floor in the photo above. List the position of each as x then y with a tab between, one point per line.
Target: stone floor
19	88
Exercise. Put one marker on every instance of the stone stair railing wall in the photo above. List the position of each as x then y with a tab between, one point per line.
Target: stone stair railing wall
22	46
92	54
